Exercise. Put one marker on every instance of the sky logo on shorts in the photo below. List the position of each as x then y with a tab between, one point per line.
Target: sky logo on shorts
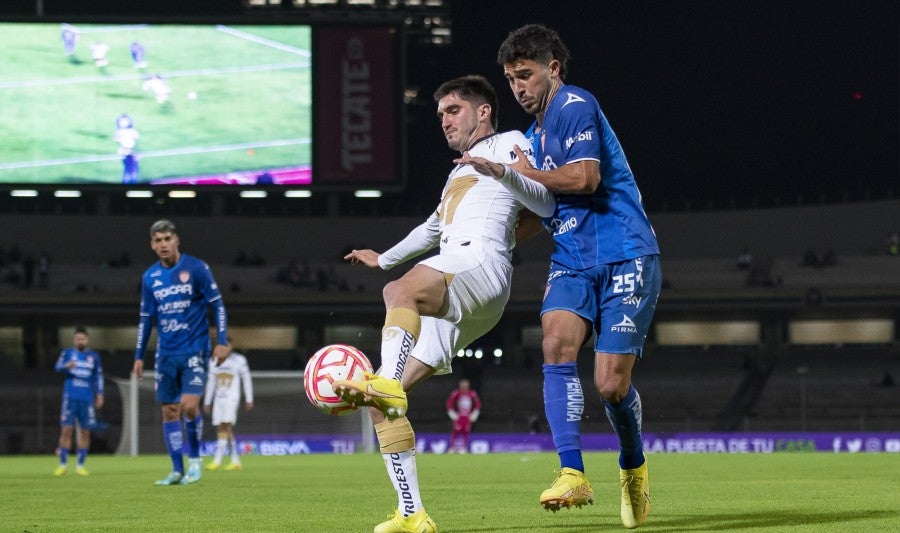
625	326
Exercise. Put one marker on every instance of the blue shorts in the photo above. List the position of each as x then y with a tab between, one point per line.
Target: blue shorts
83	412
180	374
618	299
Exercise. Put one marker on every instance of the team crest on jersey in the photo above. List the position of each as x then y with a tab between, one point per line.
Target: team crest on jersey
90	359
184	276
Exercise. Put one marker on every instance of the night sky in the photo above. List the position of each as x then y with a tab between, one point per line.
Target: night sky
756	102
713	101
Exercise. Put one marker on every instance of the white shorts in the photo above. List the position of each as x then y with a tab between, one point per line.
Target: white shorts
478	294
224	411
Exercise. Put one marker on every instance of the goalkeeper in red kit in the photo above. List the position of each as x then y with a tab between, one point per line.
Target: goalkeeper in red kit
463	408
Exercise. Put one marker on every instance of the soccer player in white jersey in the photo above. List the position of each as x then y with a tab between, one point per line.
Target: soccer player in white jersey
604	276
224	386
449	300
158	85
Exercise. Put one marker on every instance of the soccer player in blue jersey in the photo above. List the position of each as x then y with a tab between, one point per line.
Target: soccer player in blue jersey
69	36
82	394
176	292
604	270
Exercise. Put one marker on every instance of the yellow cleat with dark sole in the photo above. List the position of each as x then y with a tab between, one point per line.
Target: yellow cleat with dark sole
384	394
418	522
635	484
570	489
61	470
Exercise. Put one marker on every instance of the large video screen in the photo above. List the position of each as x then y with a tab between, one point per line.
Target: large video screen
155	104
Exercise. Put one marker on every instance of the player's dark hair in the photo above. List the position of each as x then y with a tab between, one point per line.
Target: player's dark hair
80	329
472	88
534	42
162	226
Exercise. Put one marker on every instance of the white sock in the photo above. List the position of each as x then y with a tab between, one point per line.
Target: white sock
234	452
401	469
221	444
396	345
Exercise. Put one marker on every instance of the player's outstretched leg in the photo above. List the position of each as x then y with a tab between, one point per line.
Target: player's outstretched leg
635	484
418	522
571	488
384	394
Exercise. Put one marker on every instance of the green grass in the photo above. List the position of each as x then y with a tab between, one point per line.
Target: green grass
798	492
53	118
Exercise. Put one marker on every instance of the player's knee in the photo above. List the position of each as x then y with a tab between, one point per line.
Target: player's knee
556	350
611	390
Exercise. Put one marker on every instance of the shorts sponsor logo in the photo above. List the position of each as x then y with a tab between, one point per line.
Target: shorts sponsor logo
625	326
559	227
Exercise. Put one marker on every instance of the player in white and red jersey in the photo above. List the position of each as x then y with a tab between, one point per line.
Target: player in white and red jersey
224	386
449	300
463	408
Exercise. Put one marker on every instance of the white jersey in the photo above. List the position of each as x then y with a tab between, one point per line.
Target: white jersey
477	213
225	380
474	225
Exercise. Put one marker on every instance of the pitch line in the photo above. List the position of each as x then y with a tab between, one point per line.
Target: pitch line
263	41
173	74
155	153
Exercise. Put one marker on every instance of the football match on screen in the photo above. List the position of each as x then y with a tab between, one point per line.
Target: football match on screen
155	104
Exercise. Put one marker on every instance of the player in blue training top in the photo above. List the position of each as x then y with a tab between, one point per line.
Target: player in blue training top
604	270
69	36
176	292
137	55
82	393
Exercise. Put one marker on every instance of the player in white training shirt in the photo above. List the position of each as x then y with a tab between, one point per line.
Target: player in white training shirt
224	386
449	300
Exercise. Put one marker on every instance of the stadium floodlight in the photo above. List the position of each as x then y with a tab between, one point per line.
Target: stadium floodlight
23	193
254	194
363	193
182	194
139	194
297	194
67	193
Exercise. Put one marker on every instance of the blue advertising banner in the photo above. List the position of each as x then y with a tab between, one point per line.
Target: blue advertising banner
833	442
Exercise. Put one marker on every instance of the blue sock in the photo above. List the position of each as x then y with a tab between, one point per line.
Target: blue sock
194	429
563	406
625	418
174	444
82	455
63	456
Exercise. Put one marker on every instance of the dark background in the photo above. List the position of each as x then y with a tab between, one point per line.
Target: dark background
717	104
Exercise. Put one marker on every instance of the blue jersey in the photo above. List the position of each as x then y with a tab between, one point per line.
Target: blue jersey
178	298
608	226
85	380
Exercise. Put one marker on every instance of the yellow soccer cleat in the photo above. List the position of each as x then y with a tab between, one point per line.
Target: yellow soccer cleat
213	466
384	394
61	470
233	466
418	522
571	488
635	485
82	471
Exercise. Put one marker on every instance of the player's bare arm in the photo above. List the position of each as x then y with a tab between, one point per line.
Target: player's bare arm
366	257
138	369
580	177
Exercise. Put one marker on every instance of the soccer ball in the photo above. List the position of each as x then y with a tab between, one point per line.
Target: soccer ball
331	363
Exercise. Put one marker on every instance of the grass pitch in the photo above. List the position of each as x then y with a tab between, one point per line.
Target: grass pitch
815	492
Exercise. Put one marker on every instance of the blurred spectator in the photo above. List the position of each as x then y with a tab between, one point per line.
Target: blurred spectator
43	270
744	260
829	258
810	258
893	244
28	271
